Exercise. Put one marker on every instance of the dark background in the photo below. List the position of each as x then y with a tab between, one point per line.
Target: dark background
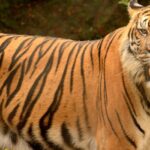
75	19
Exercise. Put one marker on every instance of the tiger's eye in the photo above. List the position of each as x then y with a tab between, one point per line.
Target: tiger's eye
143	32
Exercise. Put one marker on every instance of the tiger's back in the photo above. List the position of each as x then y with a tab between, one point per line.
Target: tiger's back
43	81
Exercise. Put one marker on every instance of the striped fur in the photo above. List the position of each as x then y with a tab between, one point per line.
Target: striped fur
60	94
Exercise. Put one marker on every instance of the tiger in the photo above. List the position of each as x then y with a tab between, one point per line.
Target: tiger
62	94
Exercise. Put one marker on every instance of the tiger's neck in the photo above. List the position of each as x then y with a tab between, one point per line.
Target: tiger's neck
119	101
135	72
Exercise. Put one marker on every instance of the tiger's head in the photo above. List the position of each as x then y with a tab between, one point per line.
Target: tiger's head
135	47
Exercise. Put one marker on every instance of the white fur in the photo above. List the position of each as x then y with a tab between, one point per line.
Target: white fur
148	85
6	142
131	64
134	68
88	142
145	144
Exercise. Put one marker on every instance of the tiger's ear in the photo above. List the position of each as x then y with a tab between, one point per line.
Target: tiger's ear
133	7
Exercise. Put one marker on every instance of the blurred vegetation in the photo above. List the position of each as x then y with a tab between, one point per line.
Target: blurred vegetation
75	19
124	2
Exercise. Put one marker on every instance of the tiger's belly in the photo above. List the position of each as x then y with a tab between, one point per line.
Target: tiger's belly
7	142
10	141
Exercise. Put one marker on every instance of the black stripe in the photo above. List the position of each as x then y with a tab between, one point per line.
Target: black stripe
145	12
4	35
8	81
113	36
133	118
54	106
132	33
129	33
40	56
130	50
27	109
127	94
101	99
125	133
99	50
14	138
34	144
57	96
104	65
101	79
39	46
12	114
73	67
82	71
120	36
91	55
3	46
144	100
67	137
11	96
84	86
80	132
53	146
5	129
16	55
110	123
1	59
144	21
61	50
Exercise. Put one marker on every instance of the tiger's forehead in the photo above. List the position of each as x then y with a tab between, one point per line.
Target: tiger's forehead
144	18
145	12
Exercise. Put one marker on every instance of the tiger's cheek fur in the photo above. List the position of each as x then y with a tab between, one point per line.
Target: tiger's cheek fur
131	65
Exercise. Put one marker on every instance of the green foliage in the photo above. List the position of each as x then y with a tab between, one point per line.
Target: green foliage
124	2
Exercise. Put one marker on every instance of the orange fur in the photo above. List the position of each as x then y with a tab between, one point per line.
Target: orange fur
60	94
